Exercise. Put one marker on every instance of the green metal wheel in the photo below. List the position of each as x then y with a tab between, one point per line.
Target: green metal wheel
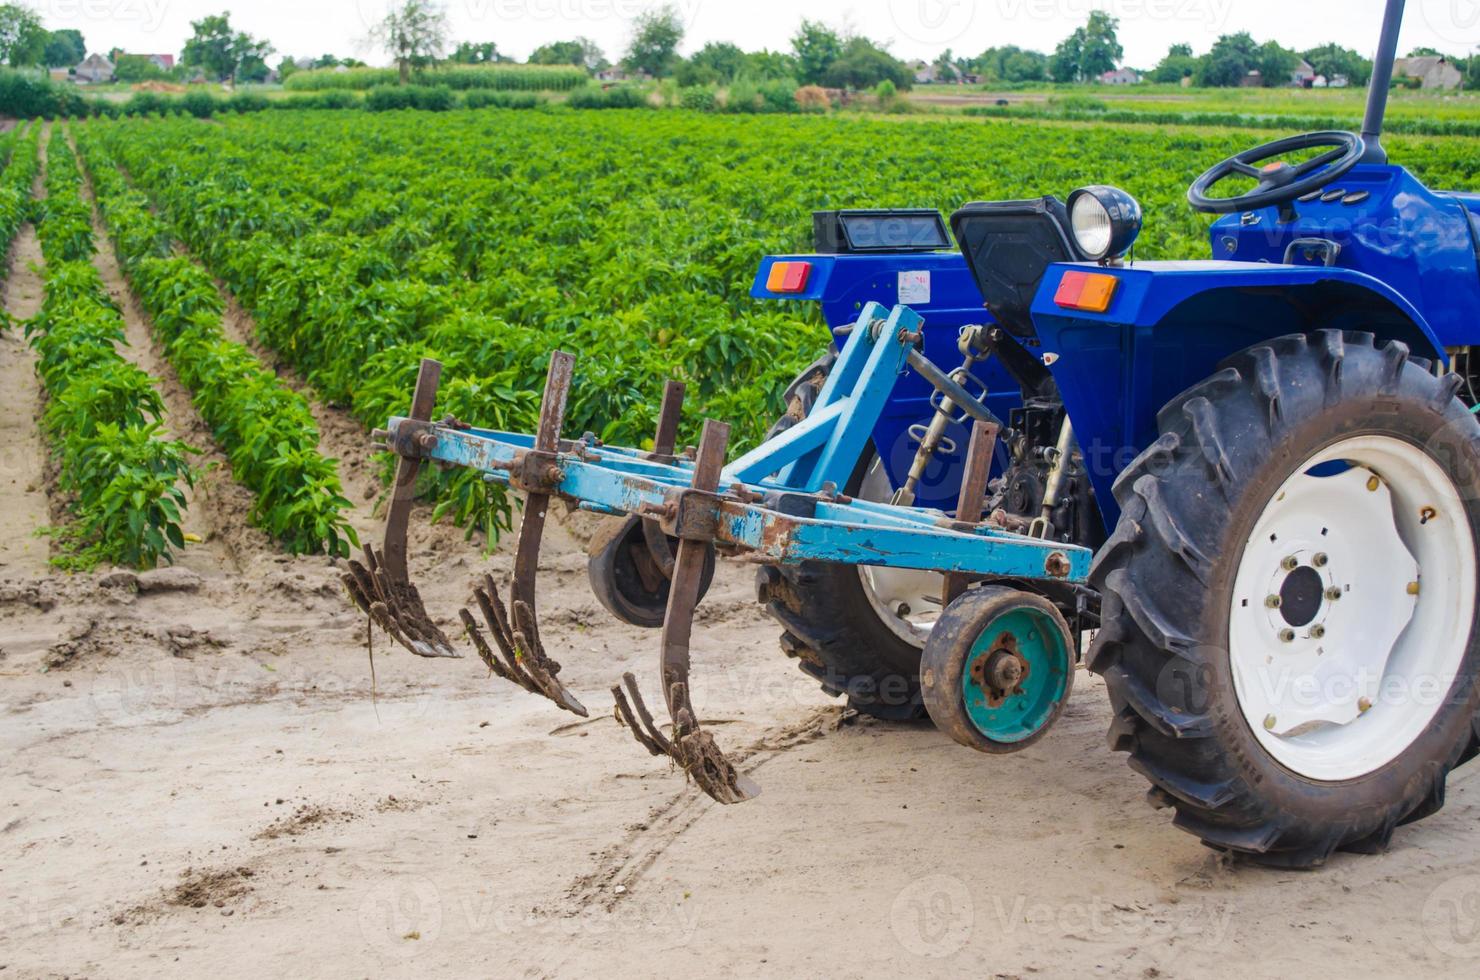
997	669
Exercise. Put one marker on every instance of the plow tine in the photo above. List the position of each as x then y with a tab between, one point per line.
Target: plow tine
380	585
641	724
493	614
485	652
515	629
692	748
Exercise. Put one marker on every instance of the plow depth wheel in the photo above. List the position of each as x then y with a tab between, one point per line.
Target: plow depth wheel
998	668
630	567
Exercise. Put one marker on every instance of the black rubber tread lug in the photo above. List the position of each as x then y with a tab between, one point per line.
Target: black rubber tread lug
1174	538
1156	624
1449	386
1168	721
1209	796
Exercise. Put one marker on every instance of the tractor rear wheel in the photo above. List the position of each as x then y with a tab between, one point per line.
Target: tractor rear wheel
858	631
1288	624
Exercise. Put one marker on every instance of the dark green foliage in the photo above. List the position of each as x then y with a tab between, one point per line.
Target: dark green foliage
267	430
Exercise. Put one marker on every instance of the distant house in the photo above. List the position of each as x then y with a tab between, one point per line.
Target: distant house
165	62
1432	71
1304	76
95	69
612	74
1121	76
931	73
1254	79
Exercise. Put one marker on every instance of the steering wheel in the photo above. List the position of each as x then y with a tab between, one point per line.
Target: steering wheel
1279	182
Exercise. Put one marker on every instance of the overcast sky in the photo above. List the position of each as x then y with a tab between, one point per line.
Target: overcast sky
911	28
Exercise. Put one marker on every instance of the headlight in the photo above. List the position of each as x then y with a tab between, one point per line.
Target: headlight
1105	221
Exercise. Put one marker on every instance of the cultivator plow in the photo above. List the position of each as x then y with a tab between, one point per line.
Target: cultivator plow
671	511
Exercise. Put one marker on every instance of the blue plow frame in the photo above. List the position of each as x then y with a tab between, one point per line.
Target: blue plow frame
777	504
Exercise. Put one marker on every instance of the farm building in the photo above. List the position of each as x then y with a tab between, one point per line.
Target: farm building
95	68
935	73
1432	71
1121	76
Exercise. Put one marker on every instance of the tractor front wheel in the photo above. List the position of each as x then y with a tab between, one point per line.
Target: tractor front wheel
1289	601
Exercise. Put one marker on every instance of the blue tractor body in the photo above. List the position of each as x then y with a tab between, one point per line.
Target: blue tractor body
1405	265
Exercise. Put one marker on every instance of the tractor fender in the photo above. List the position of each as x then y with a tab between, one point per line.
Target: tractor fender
1169	325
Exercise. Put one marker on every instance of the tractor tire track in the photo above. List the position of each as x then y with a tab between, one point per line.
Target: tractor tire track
27	503
217	508
626	862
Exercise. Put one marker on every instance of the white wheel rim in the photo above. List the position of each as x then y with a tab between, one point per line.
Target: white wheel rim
906	600
1336	688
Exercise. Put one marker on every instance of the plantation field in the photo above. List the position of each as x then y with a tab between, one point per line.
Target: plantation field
362	243
205	772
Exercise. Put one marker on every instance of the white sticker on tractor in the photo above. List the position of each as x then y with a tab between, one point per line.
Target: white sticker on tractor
914	287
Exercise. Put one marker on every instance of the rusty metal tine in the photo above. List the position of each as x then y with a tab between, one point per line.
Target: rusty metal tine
355	587
383	618
403	604
688	567
669	413
654	732
541	667
493	612
423	401
485	652
624	715
536	505
969	504
552	404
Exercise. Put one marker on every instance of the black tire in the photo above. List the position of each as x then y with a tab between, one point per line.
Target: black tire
831	626
1188	505
618	584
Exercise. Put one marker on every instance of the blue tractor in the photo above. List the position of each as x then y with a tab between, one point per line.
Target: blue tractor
1243	491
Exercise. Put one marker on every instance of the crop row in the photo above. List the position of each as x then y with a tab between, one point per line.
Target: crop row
522	78
125	480
364	242
266	428
21	163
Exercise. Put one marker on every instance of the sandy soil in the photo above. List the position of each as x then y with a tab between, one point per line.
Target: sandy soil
200	779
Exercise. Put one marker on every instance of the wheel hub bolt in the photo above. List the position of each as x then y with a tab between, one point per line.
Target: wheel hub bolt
1287	635
1273	602
1333	593
1413	588
1316	632
1364	705
1290	564
1320	560
1373	483
1269	723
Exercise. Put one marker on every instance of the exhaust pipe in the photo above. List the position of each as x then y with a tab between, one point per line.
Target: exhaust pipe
1382	80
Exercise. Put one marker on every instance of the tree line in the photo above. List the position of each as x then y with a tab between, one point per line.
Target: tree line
416	34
